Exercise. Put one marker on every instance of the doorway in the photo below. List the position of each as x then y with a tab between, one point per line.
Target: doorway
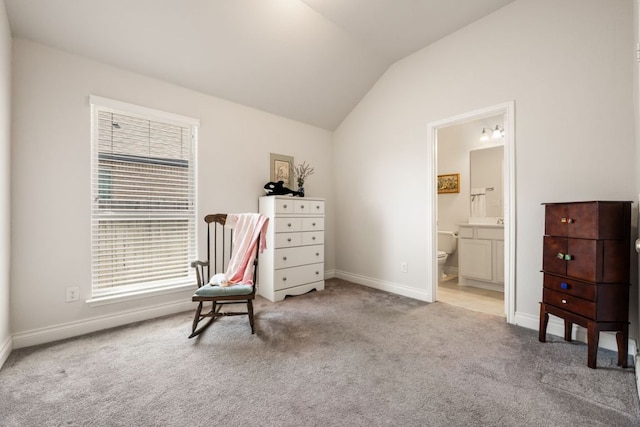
471	264
507	255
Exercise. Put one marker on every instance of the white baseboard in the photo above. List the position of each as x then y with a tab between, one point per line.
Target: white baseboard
556	327
329	274
636	360
5	350
383	285
85	326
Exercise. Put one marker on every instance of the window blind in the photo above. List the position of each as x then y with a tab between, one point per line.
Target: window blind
143	202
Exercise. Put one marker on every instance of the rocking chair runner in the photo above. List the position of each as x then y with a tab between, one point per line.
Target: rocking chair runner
222	242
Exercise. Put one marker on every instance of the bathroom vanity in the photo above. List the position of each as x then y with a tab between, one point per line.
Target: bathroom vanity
481	256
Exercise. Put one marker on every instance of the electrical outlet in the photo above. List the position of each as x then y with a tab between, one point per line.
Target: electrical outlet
73	293
404	267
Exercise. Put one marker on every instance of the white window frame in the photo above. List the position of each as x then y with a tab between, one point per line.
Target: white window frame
103	295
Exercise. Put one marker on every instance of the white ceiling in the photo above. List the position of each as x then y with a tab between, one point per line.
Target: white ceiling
309	60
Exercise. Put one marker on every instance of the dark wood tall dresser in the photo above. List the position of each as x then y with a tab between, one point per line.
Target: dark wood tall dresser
586	265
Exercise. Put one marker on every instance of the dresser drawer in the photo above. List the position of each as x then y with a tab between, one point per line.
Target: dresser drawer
293	257
578	258
570	303
286	240
586	220
295	276
308	207
584	259
570	286
313	238
312	224
284	225
284	206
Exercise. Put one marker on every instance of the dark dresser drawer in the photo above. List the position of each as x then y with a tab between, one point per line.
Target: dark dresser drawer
569	303
570	286
579	258
586	220
604	261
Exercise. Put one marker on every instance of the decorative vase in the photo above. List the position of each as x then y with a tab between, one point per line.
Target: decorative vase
301	190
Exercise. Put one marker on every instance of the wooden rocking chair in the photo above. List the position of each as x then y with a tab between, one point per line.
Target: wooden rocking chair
221	240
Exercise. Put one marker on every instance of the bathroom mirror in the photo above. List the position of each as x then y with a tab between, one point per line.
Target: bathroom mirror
486	192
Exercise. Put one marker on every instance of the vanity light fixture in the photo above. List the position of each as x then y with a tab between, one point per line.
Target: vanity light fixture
488	133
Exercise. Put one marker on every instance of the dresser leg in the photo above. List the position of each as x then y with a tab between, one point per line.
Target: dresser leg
593	336
622	337
568	326
544	320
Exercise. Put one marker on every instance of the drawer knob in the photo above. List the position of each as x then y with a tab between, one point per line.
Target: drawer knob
314	224
289	225
284	258
313	238
317	206
317	272
566	220
284	206
566	257
284	279
288	239
317	253
564	301
563	285
301	206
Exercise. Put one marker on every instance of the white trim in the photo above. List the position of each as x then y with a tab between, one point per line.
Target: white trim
381	285
144	293
81	327
556	327
508	110
329	274
123	291
636	360
145	112
5	350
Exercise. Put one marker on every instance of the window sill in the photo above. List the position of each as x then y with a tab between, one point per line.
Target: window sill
133	295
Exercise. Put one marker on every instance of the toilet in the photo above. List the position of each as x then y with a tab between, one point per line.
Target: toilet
447	241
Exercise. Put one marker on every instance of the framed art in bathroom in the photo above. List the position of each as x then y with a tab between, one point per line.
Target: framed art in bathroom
449	183
282	169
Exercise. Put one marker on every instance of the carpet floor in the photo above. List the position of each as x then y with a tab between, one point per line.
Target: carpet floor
345	356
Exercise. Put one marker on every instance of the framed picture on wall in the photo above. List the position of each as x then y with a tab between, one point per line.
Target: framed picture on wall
282	169
449	183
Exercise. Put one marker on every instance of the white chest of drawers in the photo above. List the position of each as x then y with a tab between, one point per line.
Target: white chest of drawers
293	262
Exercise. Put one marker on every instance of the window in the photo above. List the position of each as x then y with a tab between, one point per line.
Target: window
143	207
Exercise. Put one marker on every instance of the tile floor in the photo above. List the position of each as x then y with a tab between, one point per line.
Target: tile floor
471	298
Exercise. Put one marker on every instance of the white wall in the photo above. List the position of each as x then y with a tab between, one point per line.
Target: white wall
5	179
568	66
636	93
51	192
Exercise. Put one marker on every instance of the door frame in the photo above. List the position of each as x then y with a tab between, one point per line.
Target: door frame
506	109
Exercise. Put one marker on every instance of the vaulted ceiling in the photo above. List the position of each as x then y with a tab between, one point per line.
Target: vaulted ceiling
309	60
